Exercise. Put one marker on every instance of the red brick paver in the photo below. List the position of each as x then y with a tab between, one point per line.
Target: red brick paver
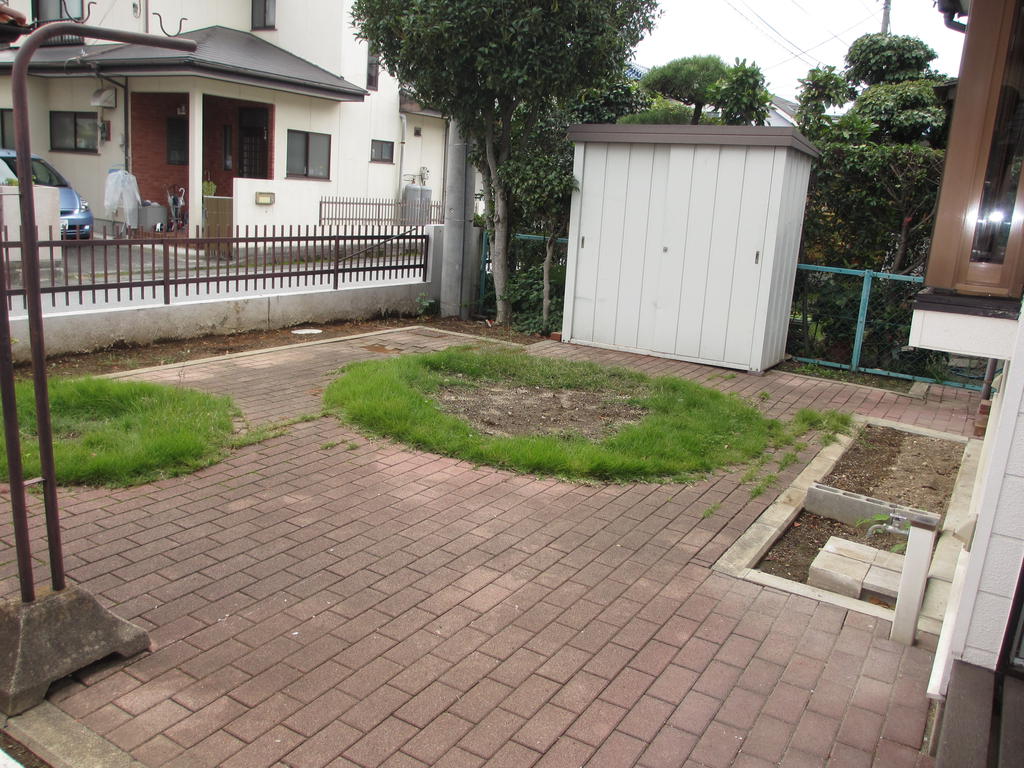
324	599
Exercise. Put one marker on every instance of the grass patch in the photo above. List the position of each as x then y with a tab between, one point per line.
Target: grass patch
763	485
827	423
789	458
689	430
119	433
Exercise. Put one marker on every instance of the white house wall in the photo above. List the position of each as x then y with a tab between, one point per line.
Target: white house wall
86	171
998	547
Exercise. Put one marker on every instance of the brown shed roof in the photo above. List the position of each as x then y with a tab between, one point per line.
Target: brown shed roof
737	135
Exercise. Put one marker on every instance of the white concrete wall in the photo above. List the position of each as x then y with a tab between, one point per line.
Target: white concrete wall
998	547
296	202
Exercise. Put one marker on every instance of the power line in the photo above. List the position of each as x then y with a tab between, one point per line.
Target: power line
810	15
782	42
834	36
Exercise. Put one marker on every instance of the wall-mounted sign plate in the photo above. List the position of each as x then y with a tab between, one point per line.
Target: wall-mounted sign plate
264	198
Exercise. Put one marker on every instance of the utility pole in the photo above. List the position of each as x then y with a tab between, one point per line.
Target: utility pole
886	6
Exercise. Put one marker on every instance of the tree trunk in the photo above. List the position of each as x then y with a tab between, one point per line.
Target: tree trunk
549	257
499	220
697	110
901	249
499	252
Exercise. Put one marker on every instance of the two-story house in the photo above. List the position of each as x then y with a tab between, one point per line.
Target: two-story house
278	98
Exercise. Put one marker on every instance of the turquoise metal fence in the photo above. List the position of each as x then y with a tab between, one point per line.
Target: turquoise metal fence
859	320
486	282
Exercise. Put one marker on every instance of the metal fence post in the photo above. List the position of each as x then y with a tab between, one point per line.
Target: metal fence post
862	316
167	272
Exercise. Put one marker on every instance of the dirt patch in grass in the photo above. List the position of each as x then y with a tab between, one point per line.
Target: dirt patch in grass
494	409
123	357
886	464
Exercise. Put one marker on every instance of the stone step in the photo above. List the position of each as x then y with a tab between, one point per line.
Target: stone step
849	568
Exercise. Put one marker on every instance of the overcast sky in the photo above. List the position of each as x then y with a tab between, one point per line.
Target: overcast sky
788	37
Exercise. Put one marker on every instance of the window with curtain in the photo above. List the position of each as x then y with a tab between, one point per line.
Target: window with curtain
309	155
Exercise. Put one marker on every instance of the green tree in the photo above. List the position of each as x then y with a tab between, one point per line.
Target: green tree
691	80
609	101
882	58
541	183
823	89
662	112
489	63
903	113
741	96
872	196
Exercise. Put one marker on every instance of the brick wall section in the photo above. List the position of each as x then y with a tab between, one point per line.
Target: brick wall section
149	115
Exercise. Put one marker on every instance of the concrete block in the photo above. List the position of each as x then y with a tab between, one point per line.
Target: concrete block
944	558
936	597
852	508
59	633
890	560
837	574
850	549
882	581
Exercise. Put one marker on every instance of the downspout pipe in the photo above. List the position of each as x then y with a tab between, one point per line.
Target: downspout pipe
401	156
952	23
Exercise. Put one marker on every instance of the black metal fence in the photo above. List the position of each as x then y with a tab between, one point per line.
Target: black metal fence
110	270
859	320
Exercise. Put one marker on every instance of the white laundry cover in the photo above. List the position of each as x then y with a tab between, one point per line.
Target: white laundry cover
122	191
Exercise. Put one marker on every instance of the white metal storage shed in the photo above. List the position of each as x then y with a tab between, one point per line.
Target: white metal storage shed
683	240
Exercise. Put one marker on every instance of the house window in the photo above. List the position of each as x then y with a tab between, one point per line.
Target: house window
264	14
309	154
382	151
6	129
177	141
73	131
372	71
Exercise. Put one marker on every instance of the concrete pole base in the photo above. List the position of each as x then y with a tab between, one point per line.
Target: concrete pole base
59	633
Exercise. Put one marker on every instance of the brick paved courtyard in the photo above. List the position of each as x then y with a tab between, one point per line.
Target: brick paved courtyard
324	599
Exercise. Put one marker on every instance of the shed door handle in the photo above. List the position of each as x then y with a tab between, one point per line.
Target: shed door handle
757	257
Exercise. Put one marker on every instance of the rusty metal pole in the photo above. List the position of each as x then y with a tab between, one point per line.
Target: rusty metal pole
12	439
30	262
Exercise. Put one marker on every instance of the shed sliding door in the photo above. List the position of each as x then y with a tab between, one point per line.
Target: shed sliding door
671	248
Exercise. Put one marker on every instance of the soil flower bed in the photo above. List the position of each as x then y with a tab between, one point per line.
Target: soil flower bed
574	420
